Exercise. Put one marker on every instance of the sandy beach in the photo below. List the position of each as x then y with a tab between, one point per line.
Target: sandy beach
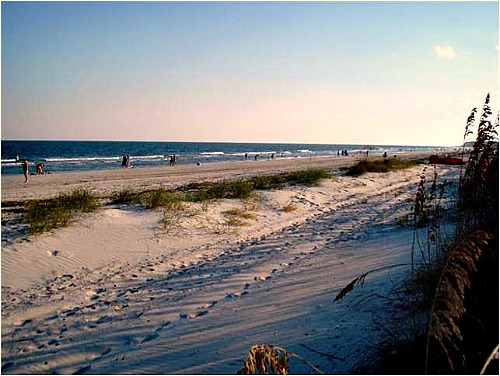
118	292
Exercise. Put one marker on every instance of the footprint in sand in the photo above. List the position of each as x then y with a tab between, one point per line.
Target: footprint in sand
156	333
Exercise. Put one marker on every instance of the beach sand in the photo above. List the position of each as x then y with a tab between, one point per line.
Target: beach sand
117	292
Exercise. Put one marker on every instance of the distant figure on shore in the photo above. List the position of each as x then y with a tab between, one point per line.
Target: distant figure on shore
126	161
385	154
256	157
39	168
246	156
26	172
173	160
338	153
272	156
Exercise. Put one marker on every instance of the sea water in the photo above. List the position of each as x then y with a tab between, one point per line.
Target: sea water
100	155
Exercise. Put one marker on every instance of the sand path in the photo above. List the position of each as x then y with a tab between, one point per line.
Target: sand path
200	311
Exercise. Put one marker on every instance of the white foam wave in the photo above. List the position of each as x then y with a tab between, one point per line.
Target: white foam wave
212	153
158	156
80	160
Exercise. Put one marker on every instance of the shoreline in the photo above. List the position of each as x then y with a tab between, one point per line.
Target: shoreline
105	183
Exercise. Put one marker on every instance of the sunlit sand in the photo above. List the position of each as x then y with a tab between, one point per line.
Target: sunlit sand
116	292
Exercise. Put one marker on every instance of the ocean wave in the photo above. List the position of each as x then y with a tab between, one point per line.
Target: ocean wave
304	151
141	157
209	153
10	161
80	160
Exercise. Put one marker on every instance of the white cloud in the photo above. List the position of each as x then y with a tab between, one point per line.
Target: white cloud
444	51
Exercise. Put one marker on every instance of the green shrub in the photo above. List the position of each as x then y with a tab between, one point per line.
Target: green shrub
44	215
170	200
380	165
307	177
126	197
242	189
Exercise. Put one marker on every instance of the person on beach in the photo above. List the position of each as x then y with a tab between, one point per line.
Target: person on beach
124	161
172	160
39	168
26	172
246	156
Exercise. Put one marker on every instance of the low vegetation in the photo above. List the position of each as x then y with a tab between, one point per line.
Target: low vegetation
45	215
451	296
290	207
456	283
268	359
381	165
238	189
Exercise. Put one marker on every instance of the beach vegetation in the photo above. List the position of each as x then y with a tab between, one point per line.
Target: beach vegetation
167	199
454	283
126	197
239	213
381	165
45	215
308	177
238	217
268	359
290	207
245	188
236	222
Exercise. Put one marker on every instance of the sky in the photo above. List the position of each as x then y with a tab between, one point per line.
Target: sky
389	73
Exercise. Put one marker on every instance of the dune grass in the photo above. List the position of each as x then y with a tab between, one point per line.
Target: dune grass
381	165
237	189
45	215
457	285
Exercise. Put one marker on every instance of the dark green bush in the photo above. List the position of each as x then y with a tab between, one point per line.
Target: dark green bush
380	165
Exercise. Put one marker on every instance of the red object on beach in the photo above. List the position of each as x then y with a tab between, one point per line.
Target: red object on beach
437	159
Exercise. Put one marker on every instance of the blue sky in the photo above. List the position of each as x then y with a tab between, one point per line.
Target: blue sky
368	73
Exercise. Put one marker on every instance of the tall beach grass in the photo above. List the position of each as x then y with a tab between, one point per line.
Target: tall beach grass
44	215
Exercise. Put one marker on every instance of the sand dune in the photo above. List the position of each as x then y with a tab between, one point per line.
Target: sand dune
115	293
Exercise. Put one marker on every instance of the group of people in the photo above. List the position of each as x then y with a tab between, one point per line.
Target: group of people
344	153
39	169
256	156
172	160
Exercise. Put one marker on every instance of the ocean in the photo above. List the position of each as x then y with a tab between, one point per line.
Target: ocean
99	155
